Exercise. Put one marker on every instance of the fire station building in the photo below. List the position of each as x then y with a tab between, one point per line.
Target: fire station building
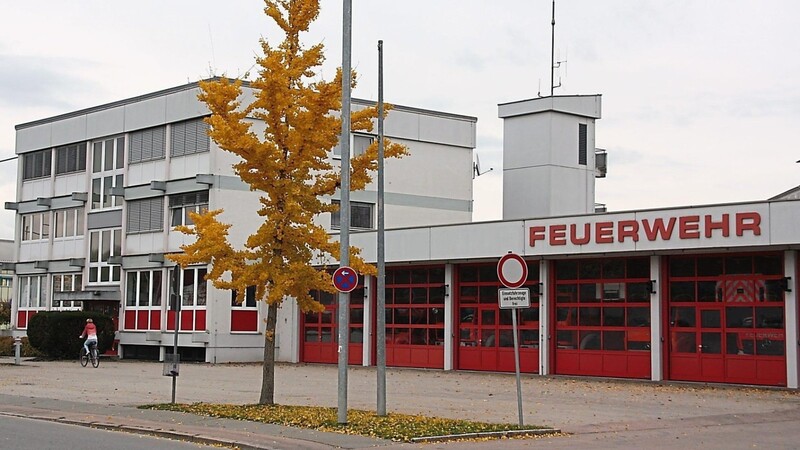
697	293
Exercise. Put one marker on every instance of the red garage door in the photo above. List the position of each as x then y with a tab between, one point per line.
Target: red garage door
726	319
602	317
320	336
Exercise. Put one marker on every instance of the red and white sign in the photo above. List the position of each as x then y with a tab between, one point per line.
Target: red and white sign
512	270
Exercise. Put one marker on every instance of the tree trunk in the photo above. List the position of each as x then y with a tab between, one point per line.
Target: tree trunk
268	367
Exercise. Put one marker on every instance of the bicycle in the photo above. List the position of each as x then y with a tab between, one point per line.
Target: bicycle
92	356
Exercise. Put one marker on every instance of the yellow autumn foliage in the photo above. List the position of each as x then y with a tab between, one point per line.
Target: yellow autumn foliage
288	163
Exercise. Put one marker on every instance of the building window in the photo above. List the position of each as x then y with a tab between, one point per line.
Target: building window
582	143
145	216
182	204
67	282
147	145
143	289
249	300
71	158
103	244
360	215
68	222
36	164
193	287
189	137
32	291
36	226
107	164
358	145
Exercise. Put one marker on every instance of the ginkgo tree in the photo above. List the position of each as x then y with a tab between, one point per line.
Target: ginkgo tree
289	164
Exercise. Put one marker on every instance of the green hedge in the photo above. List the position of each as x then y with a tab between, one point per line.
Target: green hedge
55	333
7	348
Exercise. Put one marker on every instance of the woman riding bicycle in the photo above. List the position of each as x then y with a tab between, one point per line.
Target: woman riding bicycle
90	331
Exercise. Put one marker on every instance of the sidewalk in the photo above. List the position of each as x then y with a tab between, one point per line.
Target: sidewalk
594	411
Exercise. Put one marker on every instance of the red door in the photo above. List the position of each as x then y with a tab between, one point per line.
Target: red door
726	320
320	332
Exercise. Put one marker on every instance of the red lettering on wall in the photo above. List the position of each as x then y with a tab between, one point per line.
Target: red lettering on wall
558	235
748	221
689	227
604	232
628	228
536	234
723	225
658	229
573	234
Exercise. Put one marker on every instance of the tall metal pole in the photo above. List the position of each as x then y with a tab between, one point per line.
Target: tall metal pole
553	50
176	279
381	249
344	213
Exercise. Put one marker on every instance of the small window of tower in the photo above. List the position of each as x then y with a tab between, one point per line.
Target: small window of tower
582	144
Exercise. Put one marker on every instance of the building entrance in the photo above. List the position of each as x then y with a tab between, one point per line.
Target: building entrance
726	319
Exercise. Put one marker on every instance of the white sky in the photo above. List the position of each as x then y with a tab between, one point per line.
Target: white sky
701	98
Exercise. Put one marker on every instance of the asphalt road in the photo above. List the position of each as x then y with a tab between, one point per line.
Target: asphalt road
27	434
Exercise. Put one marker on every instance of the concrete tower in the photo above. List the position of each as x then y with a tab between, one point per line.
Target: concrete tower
549	163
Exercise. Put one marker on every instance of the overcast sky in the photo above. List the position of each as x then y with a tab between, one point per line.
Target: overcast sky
701	99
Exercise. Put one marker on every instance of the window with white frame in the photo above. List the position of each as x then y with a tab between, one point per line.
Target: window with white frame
360	215
180	205
32	291
189	137
37	164
103	244
147	145
108	160
358	145
36	226
193	287
143	289
67	282
145	216
68	222
249	300
71	158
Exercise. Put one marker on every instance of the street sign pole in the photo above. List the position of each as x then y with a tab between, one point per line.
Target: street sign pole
516	363
512	270
344	211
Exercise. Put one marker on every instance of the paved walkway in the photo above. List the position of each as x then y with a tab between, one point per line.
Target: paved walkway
602	413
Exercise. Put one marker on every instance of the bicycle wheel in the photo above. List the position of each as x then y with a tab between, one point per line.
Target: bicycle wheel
84	358
95	357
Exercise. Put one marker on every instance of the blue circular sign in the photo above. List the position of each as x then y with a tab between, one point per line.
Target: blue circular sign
345	279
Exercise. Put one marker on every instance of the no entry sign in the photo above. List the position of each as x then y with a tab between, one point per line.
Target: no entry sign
512	270
345	279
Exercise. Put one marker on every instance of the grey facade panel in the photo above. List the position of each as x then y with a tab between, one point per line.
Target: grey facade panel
104	219
34	138
69	131
184	105
105	123
145	113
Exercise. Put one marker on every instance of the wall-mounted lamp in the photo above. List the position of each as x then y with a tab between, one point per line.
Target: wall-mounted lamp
651	286
785	284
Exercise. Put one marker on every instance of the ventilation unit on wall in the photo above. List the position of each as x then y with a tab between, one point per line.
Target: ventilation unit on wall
600	163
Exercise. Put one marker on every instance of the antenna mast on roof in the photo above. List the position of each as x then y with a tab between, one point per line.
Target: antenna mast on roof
553	49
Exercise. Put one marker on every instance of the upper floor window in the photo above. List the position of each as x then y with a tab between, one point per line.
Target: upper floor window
147	145
37	164
189	137
68	222
32	290
181	205
582	143
107	166
36	226
66	282
358	145
71	158
360	215
145	215
103	244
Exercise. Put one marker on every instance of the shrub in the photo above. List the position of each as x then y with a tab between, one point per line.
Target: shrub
55	333
7	348
5	312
